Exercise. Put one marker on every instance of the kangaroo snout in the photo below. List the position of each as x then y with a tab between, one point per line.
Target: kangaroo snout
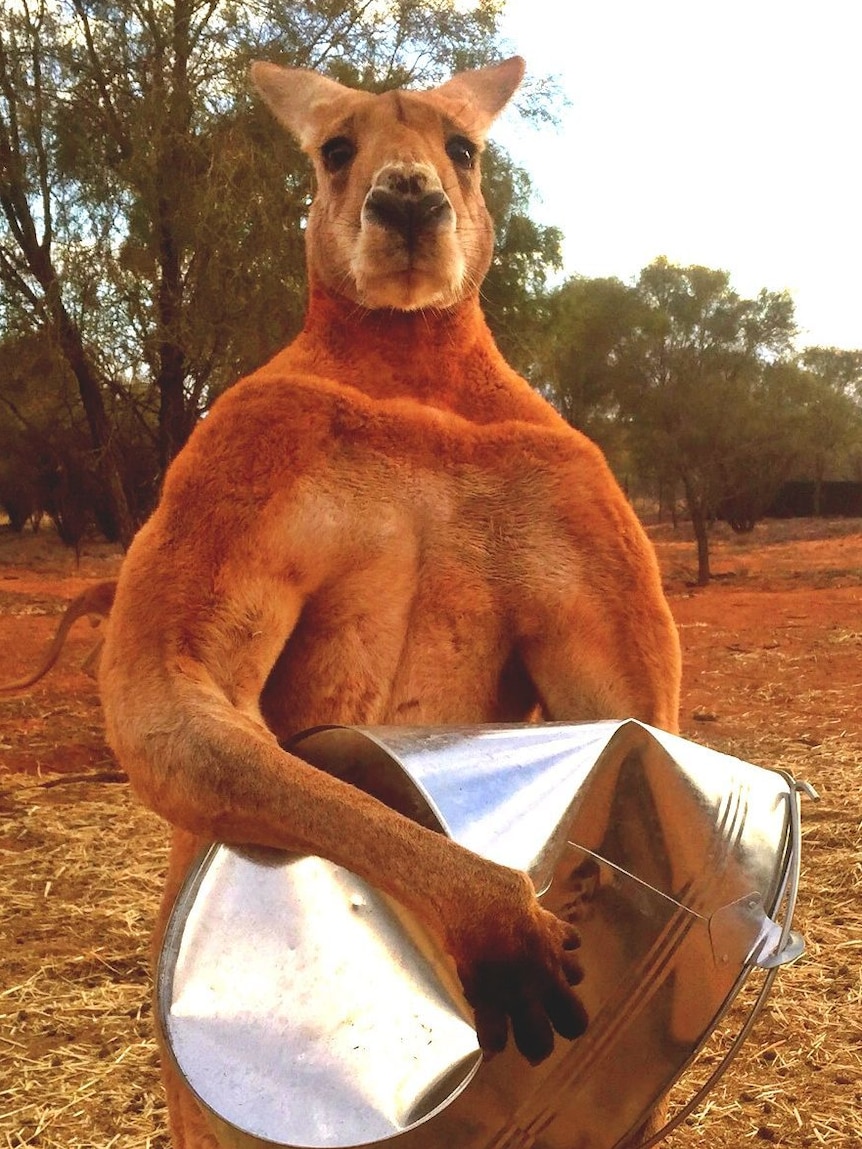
408	199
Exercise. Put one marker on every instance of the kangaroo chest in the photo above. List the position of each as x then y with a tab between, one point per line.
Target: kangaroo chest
435	549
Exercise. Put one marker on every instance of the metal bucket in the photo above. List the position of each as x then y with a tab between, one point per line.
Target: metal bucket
306	1009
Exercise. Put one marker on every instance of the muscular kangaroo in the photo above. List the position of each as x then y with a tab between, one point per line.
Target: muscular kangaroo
385	524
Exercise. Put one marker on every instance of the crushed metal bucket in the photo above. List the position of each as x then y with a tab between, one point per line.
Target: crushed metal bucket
306	1009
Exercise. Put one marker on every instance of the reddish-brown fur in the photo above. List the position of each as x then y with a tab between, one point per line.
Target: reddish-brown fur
94	601
384	524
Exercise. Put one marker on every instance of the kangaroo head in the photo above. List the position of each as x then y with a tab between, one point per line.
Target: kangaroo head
398	219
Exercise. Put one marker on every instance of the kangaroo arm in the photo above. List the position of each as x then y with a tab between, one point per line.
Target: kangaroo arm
208	767
219	773
198	752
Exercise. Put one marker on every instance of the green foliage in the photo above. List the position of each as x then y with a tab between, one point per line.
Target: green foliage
151	211
585	322
151	252
829	389
691	387
47	465
693	384
524	254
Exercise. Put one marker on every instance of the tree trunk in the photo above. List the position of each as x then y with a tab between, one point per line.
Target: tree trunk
173	414
700	526
101	431
701	534
175	418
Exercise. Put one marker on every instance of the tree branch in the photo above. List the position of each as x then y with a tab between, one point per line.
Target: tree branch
114	123
10	274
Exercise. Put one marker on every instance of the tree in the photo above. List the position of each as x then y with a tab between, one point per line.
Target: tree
42	470
830	396
34	201
584	324
524	253
676	376
693	383
152	211
770	424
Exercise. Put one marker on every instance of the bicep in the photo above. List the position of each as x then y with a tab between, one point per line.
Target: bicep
185	610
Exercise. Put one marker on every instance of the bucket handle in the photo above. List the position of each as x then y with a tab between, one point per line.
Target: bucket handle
789	947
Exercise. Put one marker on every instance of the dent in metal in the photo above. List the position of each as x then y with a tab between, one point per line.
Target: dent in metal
306	1009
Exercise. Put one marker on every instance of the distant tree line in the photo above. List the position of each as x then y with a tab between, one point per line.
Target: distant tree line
151	252
698	394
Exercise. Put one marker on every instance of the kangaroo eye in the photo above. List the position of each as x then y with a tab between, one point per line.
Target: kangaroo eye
337	153
461	151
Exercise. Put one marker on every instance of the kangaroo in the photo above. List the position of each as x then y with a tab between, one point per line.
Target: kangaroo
384	524
94	601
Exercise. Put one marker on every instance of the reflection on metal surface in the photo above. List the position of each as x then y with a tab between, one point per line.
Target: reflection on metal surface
306	1009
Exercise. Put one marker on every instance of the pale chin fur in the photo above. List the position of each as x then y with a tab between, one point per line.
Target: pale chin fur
375	292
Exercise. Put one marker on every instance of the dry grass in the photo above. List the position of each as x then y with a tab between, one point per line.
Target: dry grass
798	1079
82	869
83	865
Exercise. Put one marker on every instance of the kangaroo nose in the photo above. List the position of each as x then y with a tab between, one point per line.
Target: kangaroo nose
408	199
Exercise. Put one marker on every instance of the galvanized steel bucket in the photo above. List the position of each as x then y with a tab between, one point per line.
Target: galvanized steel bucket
305	1009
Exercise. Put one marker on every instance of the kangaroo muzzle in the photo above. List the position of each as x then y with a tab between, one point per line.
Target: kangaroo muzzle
408	199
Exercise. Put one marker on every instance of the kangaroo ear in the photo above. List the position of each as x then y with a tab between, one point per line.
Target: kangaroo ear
484	92
297	97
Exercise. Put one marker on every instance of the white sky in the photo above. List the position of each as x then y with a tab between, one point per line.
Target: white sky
721	132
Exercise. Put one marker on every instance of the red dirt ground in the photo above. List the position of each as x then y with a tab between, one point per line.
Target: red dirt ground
771	647
772	674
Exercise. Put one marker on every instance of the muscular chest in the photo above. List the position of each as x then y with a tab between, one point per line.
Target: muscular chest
414	622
